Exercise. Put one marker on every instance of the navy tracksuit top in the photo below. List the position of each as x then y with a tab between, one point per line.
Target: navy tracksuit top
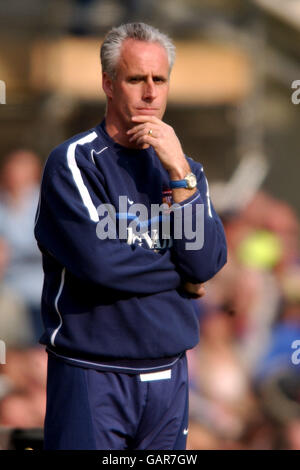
112	303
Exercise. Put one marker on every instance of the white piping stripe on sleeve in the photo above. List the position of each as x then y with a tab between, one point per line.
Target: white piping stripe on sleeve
86	198
62	281
207	196
38	211
208	199
88	204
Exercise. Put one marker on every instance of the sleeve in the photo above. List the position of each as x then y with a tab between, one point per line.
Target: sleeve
199	247
66	227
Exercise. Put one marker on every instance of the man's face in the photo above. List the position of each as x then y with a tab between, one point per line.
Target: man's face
141	85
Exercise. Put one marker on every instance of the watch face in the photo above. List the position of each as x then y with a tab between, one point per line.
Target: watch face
191	180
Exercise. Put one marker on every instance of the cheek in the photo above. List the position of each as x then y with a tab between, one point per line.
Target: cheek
133	94
125	104
164	95
131	99
124	95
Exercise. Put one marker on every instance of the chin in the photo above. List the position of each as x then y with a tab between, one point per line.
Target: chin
146	112
149	112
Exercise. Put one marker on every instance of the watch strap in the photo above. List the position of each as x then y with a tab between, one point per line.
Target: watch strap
178	184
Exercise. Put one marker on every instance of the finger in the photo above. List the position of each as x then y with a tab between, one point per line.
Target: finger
141	132
146	139
136	128
197	295
195	289
191	286
138	133
201	291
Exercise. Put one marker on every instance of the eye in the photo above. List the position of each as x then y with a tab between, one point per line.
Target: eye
159	79
134	79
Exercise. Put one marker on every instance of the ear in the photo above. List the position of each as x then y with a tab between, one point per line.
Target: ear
107	85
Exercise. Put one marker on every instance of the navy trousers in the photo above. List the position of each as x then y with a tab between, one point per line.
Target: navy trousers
92	410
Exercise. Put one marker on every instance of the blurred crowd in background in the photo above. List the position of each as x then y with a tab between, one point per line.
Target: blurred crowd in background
22	378
245	372
245	380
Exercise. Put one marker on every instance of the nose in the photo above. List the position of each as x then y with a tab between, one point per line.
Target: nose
149	91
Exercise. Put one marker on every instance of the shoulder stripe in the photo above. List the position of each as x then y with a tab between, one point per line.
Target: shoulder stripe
86	198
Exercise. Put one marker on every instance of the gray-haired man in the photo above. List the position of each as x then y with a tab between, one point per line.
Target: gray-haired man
118	313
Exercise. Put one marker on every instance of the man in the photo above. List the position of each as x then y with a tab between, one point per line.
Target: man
117	312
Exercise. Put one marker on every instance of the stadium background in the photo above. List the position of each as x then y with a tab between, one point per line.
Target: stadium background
231	106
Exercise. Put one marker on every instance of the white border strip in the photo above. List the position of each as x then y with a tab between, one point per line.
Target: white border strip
163	375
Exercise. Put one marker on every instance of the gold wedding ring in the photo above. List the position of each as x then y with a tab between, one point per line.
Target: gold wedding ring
150	132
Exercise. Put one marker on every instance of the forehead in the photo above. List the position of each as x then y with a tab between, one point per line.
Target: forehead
143	57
